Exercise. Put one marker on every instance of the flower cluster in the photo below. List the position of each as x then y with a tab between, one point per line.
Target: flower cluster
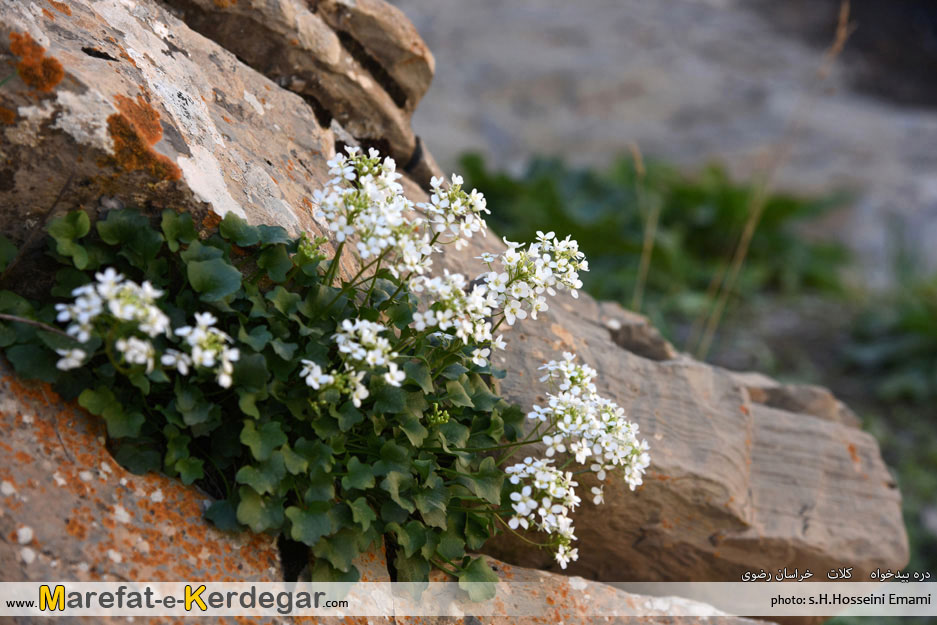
348	382
114	299
209	348
465	309
543	267
544	502
591	429
587	426
362	348
364	201
455	211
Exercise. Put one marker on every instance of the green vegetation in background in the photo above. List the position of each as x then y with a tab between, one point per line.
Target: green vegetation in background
894	350
890	361
700	221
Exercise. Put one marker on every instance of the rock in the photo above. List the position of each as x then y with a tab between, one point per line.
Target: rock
390	38
634	332
109	525
91	520
149	113
720	463
552	599
368	73
806	399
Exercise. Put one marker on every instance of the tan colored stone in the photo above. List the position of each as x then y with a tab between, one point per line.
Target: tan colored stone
389	37
289	42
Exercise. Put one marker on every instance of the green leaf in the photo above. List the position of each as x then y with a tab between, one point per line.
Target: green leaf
276	261
257	512
320	486
389	399
283	350
455	393
198	251
393	484
66	231
215	279
411	426
103	403
262	442
257	338
486	482
190	469
360	475
309	524
451	546
316	453
339	549
33	362
177	228
265	477
412	569
453	371
478	580
418	373
323	571
362	512
273	234
223	514
411	537
477	530
347	415
284	301
131	231
8	252
294	462
238	231
191	404
431	500
482	397
250	372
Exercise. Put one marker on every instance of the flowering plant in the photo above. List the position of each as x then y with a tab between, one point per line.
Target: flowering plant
331	408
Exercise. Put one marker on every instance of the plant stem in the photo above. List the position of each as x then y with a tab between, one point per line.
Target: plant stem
38	324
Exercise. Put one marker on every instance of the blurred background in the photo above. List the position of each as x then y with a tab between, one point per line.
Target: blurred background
758	177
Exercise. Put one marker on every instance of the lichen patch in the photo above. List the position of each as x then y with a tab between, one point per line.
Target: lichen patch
37	70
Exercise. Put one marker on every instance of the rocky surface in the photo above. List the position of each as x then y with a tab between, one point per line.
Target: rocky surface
689	81
146	111
109	525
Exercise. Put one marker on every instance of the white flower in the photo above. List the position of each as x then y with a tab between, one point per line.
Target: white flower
565	555
209	348
177	360
121	298
314	376
498	343
480	356
513	311
136	351
394	376
71	358
598	495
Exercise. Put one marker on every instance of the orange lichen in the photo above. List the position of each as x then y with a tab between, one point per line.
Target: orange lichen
37	70
135	130
61	7
224	4
211	221
7	116
48	14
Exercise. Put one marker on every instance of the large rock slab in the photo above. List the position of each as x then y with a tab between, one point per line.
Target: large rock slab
70	512
139	116
359	63
153	114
